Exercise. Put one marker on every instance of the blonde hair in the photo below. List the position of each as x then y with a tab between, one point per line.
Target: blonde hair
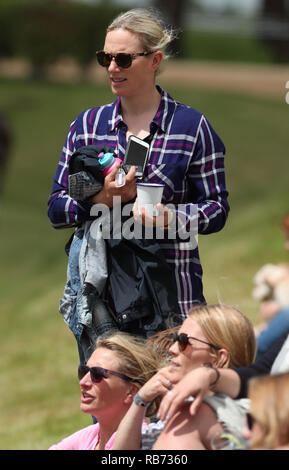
161	343
136	359
270	407
226	327
148	25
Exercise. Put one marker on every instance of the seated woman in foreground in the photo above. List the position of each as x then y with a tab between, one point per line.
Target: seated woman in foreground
214	336
231	382
268	421
116	370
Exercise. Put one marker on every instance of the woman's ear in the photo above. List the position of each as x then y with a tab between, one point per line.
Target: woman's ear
222	358
132	390
157	58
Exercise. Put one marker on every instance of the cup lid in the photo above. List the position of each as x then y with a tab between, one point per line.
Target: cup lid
151	184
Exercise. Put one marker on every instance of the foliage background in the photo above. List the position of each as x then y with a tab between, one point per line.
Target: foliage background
39	390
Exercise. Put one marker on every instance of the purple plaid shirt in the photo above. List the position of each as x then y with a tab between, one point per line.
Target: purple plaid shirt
186	155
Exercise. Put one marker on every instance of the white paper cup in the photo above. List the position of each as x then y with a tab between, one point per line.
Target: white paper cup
148	196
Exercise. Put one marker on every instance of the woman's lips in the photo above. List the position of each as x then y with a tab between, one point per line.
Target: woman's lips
86	398
117	80
174	364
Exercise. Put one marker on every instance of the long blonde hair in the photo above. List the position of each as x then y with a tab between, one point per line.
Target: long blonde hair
136	359
270	407
226	327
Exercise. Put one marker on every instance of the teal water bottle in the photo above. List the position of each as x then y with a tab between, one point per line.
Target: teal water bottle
107	162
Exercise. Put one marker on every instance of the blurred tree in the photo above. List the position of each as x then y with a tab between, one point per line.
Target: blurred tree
276	31
44	31
174	10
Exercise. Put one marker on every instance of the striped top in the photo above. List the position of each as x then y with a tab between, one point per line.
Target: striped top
186	155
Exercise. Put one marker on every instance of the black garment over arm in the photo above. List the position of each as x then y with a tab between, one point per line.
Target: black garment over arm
261	366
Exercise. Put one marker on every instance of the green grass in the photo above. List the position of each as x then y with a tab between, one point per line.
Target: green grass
230	47
39	390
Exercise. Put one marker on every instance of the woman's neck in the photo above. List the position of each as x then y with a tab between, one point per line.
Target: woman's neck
107	426
141	103
138	112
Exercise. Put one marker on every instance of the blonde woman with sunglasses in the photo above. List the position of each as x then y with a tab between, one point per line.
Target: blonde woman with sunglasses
186	155
213	336
118	367
268	421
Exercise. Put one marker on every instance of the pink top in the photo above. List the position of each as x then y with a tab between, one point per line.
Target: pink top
85	439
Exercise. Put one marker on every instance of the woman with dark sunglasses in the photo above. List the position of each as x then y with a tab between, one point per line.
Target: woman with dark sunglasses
268	421
212	337
116	370
186	154
232	382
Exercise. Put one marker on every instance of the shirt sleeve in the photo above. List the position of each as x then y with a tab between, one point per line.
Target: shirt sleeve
206	180
63	211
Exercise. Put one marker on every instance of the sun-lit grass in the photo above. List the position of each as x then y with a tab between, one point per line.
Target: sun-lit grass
231	47
39	391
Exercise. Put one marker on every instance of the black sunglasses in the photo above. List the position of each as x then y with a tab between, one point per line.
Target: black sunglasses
183	341
122	59
97	374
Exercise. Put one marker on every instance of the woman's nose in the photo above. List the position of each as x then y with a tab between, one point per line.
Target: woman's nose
174	349
85	380
113	65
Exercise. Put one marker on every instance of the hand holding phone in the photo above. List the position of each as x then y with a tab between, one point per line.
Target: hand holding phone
137	153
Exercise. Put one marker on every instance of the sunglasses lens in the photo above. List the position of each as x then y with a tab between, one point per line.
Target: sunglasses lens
82	371
183	341
96	375
123	60
103	59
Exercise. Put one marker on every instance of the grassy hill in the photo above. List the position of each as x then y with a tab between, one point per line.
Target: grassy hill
39	388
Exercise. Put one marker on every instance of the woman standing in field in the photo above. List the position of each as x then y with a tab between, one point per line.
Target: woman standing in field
186	155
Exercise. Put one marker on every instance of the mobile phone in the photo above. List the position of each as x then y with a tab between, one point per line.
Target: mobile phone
136	154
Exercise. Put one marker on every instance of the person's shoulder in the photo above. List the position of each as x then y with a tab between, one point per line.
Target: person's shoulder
183	108
91	428
89	431
90	118
90	113
85	436
79	440
188	112
187	120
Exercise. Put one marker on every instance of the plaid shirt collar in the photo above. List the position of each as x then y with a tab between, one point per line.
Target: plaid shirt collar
161	119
